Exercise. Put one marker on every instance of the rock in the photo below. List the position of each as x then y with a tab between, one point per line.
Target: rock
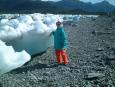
99	68
113	20
22	80
68	86
112	38
34	77
100	49
108	28
47	73
110	84
40	78
93	32
93	19
88	84
111	57
113	49
91	76
101	33
113	46
97	55
0	85
74	25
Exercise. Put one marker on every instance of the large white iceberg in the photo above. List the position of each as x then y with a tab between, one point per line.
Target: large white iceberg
29	32
9	59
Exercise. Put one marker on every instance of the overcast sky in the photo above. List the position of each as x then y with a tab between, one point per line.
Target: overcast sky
96	1
51	0
93	1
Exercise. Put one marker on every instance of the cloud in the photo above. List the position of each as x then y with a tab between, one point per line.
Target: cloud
96	1
93	1
51	0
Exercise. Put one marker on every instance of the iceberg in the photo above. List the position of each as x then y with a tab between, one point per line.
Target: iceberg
29	32
9	59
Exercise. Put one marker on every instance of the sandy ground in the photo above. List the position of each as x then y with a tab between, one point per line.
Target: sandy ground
91	54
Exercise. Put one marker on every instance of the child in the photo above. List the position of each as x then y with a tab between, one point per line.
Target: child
60	44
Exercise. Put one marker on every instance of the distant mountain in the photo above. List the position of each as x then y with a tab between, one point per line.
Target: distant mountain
26	6
64	6
103	6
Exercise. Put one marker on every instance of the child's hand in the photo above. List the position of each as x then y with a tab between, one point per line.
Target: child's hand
51	34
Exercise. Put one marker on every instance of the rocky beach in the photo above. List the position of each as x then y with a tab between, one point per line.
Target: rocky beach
91	51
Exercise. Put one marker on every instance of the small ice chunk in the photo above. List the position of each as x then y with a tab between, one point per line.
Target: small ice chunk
9	59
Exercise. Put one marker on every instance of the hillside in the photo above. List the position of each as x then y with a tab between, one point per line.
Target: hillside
64	7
